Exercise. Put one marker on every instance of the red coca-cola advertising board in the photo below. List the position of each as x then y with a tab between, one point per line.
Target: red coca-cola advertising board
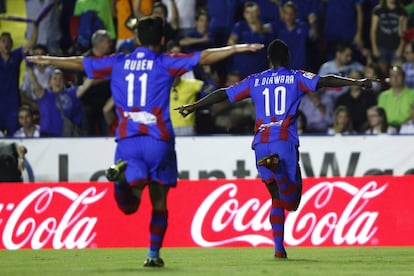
350	211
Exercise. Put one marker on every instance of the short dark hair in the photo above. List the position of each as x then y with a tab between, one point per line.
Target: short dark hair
249	4
341	46
162	6
6	34
41	47
171	44
27	108
202	12
99	36
150	30
398	69
278	53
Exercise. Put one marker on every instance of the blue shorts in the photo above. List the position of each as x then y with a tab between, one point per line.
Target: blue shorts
387	55
288	163
149	160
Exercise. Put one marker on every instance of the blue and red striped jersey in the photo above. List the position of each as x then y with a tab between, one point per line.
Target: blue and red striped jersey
140	84
276	94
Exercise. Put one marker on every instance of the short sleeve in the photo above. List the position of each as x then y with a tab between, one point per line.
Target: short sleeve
239	91
179	64
99	67
307	81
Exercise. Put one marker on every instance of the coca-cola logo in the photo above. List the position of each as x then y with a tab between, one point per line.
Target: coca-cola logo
30	223
314	222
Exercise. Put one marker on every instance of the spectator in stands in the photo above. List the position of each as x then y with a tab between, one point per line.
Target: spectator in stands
342	122
408	127
171	29
341	65
67	8
302	123
10	61
397	100
26	120
388	24
377	121
110	116
295	34
235	118
343	23
318	109
408	65
183	91
184	11
59	107
42	72
409	9
373	71
49	28
249	30
103	10
269	10
12	162
126	12
2	6
357	102
95	97
199	39
223	15
308	11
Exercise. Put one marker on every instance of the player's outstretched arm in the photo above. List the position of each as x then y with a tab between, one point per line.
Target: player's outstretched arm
338	81
71	63
215	97
213	55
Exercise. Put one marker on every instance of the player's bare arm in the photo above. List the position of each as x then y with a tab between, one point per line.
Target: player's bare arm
215	97
71	63
338	81
213	55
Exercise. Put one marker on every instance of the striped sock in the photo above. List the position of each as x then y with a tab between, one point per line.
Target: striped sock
126	201
277	220
158	226
289	192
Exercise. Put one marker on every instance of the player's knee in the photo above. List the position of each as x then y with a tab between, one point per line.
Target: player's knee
130	208
128	211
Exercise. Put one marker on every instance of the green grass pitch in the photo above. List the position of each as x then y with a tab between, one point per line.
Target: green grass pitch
212	261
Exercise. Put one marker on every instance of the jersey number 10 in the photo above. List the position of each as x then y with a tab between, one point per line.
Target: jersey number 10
280	100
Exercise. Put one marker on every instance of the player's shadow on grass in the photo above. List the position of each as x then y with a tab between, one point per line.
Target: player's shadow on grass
293	260
138	269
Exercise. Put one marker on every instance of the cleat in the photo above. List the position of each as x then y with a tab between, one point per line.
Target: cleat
114	171
153	262
271	162
280	255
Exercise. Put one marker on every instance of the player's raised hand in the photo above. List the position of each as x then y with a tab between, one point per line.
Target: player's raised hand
367	83
185	110
37	59
248	47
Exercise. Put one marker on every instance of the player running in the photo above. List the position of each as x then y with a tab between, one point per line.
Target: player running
140	84
276	94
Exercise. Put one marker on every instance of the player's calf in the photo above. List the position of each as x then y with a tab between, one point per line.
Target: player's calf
127	202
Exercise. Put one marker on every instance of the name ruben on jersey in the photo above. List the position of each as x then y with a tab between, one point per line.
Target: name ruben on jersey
275	79
138	64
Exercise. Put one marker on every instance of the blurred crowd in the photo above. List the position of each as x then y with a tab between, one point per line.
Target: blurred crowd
355	38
